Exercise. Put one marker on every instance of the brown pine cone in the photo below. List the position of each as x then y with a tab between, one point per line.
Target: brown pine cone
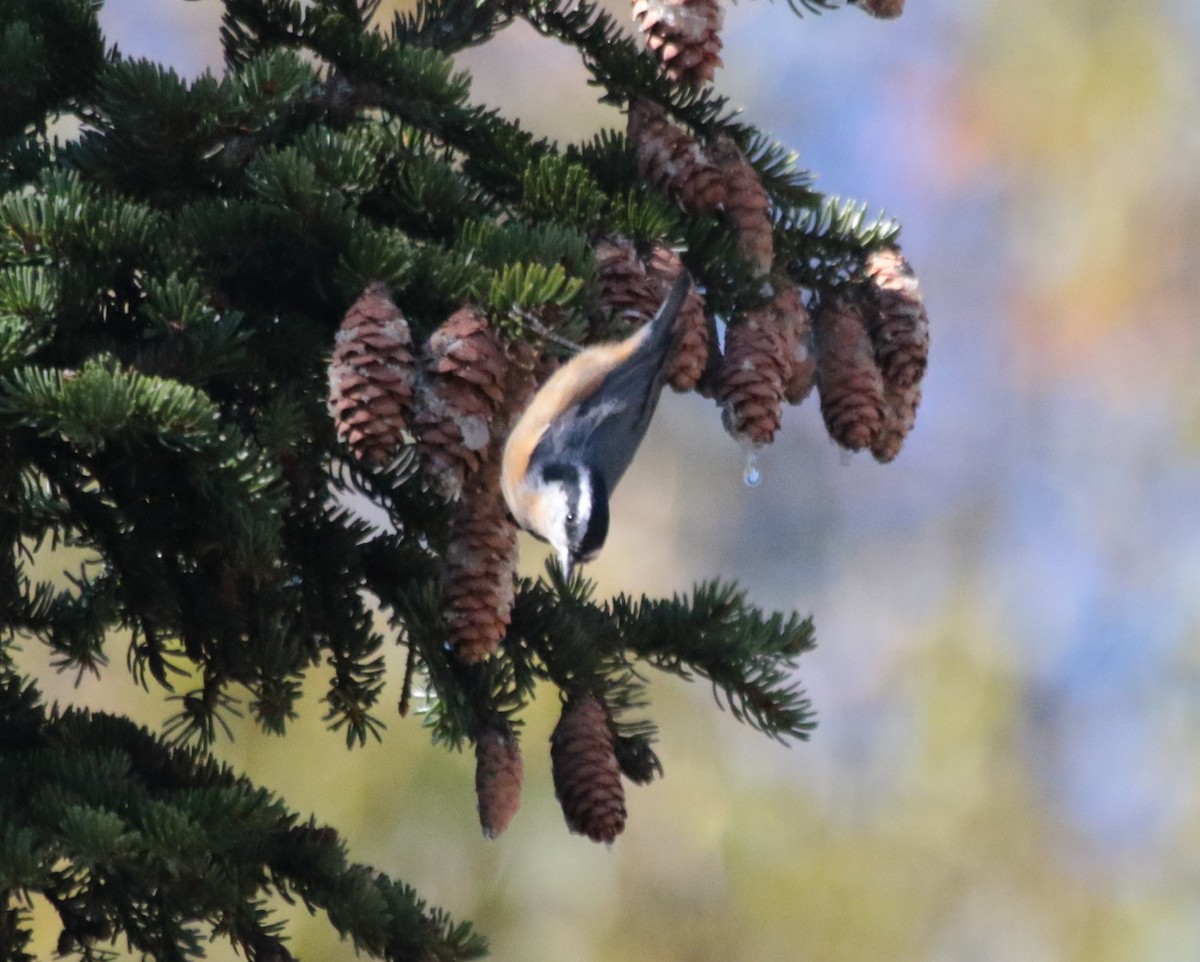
481	557
463	388
371	377
752	375
898	323
849	383
884	9
587	778
900	415
797	330
632	291
480	567
689	356
499	773
672	161
746	205
628	295
686	35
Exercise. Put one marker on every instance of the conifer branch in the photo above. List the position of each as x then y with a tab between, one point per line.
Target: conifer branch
173	283
126	836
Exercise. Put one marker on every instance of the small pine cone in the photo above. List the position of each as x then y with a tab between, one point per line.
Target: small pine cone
797	329
686	35
850	385
371	377
899	325
465	367
499	774
587	777
746	205
884	9
752	375
673	161
481	565
899	417
688	360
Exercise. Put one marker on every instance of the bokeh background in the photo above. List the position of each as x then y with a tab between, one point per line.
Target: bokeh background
1008	680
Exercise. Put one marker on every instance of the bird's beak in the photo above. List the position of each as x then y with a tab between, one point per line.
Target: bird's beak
565	562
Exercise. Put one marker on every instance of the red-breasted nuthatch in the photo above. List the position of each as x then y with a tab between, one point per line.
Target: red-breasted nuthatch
573	442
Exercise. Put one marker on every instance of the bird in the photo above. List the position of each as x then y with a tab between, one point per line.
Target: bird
572	443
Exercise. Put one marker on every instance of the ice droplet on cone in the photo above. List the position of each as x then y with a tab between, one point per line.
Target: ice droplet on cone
752	476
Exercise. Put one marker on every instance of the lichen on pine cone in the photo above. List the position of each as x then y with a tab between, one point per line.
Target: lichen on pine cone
746	205
688	361
583	762
480	567
686	36
848	381
672	160
462	389
900	414
898	322
752	376
499	774
371	377
796	326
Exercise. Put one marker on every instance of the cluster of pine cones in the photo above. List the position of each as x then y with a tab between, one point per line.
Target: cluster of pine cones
584	762
864	347
686	34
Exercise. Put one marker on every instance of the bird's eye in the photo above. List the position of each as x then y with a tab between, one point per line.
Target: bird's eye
570	517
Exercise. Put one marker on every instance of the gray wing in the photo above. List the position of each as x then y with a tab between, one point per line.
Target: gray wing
609	424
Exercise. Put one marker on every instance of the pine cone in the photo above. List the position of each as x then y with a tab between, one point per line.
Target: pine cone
499	774
752	375
746	205
628	294
899	325
884	9
371	377
481	556
900	415
633	291
686	35
481	564
796	325
673	161
464	365
848	381
688	361
587	778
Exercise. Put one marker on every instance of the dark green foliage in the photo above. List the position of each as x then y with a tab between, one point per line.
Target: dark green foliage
51	51
170	284
122	834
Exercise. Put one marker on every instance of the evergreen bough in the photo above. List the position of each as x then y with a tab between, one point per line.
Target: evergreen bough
170	282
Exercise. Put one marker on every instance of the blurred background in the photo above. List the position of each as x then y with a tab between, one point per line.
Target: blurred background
1008	679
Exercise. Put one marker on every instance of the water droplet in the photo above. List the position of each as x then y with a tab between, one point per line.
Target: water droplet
752	476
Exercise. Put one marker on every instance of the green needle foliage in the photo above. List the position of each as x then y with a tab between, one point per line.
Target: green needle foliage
170	285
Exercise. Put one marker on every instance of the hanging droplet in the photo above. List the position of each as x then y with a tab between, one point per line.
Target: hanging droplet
752	476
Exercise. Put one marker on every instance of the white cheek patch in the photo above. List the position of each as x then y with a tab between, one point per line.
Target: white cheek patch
583	509
550	516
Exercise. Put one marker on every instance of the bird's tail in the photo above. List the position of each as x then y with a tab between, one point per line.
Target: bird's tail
662	325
